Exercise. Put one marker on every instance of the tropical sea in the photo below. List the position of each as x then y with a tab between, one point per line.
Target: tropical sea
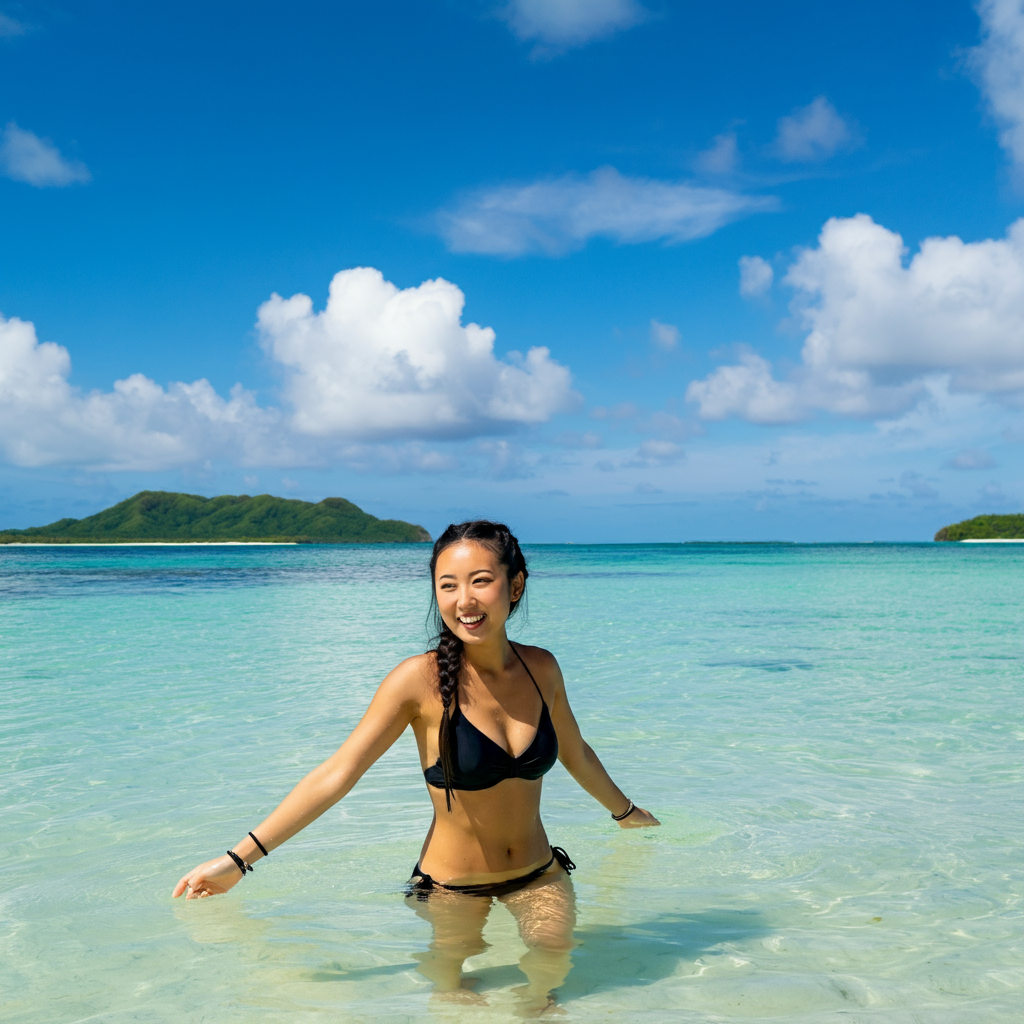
831	736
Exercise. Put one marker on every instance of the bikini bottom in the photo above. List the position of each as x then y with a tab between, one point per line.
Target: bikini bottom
422	885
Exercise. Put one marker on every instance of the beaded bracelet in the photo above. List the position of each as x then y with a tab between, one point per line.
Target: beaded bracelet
626	813
239	863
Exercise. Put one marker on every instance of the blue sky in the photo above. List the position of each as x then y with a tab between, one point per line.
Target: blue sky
611	270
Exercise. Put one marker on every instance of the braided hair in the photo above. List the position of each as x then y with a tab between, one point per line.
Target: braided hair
448	650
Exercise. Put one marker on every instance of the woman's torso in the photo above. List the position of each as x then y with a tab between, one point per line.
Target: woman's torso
502	733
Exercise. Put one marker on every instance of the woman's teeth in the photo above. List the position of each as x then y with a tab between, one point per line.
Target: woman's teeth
470	620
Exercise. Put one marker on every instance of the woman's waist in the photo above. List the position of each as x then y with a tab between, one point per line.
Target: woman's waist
454	856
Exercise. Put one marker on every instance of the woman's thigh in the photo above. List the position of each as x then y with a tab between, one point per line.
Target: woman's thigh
457	920
545	913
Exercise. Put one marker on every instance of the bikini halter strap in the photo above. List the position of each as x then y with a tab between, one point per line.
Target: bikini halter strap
529	673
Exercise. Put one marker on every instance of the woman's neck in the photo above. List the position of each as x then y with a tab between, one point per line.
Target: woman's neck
491	658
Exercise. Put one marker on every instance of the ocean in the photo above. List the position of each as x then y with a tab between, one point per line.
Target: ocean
831	736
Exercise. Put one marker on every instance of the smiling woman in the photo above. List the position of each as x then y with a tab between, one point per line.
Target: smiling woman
484	772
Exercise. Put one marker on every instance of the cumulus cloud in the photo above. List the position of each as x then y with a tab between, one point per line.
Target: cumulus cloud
999	65
558	25
382	362
560	215
814	133
378	364
881	333
26	157
756	276
665	336
137	425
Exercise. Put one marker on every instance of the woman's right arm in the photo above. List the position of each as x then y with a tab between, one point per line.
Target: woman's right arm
393	708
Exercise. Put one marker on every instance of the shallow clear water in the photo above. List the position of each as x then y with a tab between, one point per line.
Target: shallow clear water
831	736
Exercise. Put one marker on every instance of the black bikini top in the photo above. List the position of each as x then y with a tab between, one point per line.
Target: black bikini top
480	763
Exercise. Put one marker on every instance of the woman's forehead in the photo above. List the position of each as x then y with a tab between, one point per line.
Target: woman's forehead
466	556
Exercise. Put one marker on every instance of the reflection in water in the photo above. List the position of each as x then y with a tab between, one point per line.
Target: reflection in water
544	912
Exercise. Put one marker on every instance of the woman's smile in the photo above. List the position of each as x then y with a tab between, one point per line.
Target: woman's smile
471	621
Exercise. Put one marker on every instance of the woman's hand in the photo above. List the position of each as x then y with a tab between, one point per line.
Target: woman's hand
638	818
209	879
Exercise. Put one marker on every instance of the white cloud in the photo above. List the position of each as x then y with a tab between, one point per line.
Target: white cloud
381	362
561	215
26	157
665	336
747	390
720	157
883	335
813	133
10	27
137	425
756	276
999	63
560	24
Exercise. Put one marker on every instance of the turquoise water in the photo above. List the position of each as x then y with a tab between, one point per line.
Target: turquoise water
831	736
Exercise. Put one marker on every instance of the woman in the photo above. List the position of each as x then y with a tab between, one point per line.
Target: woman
490	717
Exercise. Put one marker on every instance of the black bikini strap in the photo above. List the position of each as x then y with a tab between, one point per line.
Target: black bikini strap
529	673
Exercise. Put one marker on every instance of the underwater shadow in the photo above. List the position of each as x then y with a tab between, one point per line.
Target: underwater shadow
608	956
619	956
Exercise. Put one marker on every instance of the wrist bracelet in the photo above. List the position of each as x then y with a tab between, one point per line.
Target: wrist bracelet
263	849
239	863
626	813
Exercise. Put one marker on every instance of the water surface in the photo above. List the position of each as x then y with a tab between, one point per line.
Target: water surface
831	736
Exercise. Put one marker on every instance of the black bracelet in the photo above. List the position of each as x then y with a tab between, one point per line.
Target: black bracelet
626	813
239	863
263	849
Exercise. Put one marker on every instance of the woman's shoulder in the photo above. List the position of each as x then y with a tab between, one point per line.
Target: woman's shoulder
542	663
409	679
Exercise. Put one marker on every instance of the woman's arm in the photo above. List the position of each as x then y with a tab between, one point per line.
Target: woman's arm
579	758
394	706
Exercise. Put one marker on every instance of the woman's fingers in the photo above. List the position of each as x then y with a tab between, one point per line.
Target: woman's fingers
199	881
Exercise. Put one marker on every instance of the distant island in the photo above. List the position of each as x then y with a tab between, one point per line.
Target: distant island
1008	527
153	517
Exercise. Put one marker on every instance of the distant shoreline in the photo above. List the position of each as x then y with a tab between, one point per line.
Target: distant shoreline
152	544
991	540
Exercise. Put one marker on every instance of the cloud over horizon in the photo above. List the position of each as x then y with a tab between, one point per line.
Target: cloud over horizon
378	364
879	330
556	216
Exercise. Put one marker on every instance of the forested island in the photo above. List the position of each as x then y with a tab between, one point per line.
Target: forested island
166	517
1008	527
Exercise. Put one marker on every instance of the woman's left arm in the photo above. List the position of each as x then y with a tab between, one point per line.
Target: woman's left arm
578	756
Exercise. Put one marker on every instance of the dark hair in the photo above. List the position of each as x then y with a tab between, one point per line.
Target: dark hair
500	539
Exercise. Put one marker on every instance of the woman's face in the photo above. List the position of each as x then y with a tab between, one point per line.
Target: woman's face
473	591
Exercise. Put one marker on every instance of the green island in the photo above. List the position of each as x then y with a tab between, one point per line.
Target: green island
166	517
1008	527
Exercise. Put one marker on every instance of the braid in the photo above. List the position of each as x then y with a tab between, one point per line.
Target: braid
500	539
449	668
